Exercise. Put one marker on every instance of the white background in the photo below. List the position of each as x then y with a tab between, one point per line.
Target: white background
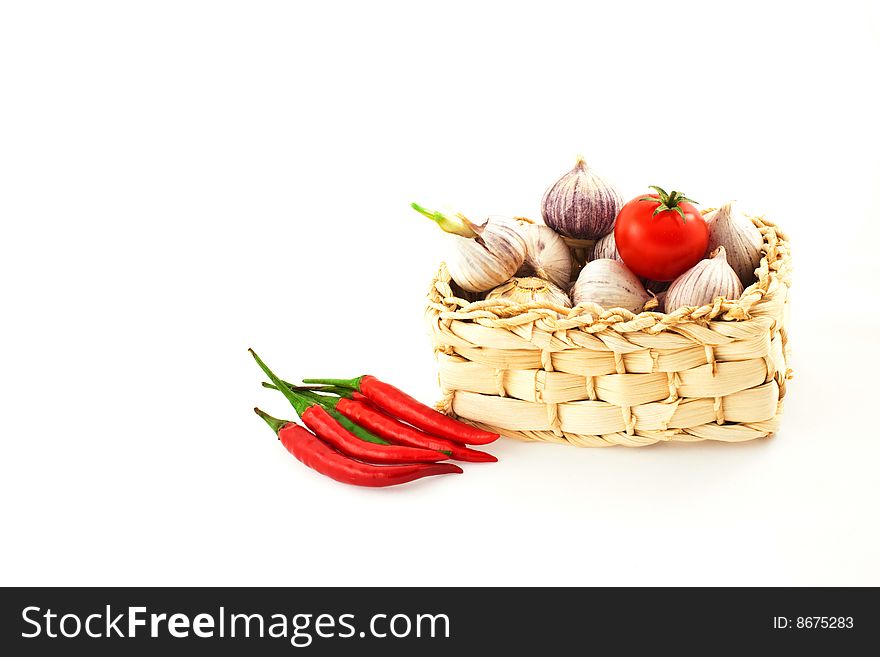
182	180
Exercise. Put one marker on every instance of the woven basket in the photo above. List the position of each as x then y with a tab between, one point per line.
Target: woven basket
594	377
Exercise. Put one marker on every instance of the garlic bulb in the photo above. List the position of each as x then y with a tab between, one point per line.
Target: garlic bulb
581	204
703	283
547	255
611	285
740	238
530	290
606	248
482	256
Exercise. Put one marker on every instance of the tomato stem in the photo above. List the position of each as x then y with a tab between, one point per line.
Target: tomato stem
667	201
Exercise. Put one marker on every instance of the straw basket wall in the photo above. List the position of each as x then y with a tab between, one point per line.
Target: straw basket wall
594	377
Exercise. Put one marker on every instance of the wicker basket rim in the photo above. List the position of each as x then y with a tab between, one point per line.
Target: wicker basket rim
773	273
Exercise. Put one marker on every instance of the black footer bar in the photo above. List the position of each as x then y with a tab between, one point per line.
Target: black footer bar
432	620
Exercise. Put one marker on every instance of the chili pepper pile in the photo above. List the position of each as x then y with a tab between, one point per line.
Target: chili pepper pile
366	432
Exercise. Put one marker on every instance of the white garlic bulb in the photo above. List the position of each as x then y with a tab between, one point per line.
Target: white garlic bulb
606	248
703	283
483	256
610	284
531	290
480	263
547	255
740	238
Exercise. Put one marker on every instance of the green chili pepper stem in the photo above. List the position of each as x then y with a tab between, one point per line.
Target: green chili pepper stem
311	394
299	402
354	384
329	390
332	390
326	401
313	388
273	422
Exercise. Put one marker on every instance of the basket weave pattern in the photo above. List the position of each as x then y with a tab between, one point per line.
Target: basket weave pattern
593	377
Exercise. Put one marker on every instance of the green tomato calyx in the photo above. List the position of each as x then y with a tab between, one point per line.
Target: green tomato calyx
667	201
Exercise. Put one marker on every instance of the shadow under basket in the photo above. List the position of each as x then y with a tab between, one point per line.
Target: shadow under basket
593	377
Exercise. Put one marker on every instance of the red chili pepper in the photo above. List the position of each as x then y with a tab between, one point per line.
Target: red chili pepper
316	418
306	447
311	392
357	395
397	432
331	390
401	405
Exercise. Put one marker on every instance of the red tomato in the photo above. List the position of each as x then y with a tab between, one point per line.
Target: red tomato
660	236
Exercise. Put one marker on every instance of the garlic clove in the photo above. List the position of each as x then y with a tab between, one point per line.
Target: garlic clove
606	247
703	283
531	290
581	204
610	284
547	255
740	238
